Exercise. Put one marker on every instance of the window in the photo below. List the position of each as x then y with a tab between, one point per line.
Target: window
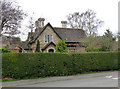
45	38
48	38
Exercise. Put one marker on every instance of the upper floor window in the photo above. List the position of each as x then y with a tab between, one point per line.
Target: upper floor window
48	38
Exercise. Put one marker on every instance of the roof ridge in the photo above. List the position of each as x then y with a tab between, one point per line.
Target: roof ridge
68	28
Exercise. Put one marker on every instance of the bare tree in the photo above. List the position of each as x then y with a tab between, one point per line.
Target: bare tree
86	21
31	25
11	17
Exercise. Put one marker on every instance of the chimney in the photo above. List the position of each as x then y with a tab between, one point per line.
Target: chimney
39	23
64	24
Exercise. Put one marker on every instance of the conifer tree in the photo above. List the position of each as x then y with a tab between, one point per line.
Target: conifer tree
38	46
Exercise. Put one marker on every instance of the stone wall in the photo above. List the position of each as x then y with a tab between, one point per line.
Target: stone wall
47	31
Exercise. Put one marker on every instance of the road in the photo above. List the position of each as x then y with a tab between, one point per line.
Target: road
104	79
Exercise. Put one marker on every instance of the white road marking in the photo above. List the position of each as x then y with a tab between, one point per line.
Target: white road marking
112	77
108	76
115	78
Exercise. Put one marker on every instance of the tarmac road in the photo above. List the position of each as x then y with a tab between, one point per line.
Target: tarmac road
104	79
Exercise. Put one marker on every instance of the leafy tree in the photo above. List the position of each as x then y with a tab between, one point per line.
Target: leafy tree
109	42
118	37
38	46
86	21
90	43
11	17
61	47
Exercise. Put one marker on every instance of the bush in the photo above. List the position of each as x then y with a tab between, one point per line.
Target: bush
31	65
37	46
61	47
5	49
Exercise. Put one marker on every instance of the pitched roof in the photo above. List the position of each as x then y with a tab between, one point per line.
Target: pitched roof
70	34
66	34
43	31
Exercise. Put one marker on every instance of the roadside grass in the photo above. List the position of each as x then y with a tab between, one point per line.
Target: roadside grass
9	80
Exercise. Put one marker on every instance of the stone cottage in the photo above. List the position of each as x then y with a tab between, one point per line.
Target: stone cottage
49	36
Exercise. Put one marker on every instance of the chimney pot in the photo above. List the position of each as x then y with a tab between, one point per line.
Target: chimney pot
64	24
41	22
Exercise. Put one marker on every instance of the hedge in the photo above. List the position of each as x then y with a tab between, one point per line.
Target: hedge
31	65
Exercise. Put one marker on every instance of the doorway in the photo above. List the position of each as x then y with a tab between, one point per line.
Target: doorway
51	50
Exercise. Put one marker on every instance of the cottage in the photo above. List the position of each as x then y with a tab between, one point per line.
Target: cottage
49	36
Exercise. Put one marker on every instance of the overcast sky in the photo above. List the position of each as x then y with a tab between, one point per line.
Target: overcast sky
54	11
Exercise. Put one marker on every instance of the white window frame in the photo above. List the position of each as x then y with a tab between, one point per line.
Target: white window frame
48	38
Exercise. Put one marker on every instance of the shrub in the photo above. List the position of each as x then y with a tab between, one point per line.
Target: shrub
37	46
5	49
94	49
61	47
31	65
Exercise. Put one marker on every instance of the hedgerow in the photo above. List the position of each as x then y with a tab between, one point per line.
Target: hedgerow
31	65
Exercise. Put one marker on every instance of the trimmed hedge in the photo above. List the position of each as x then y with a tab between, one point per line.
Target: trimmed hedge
31	65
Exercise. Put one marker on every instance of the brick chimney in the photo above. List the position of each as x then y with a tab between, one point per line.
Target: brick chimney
64	24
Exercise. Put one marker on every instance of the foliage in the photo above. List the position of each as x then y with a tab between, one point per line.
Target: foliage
38	46
86	21
5	49
109	42
89	41
61	47
94	49
31	65
12	15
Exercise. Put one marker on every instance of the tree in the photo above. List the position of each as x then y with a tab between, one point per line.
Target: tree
109	42
89	42
86	21
92	43
38	46
31	26
118	37
61	47
11	17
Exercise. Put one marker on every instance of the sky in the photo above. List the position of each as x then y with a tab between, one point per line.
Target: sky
54	11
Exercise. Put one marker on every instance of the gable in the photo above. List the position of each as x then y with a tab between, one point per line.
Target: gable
47	26
47	45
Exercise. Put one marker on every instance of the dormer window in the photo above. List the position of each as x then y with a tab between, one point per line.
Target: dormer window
48	38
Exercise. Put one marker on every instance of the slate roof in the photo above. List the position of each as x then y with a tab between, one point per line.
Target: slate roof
70	34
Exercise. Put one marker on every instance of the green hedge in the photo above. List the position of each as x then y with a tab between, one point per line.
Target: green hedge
31	65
